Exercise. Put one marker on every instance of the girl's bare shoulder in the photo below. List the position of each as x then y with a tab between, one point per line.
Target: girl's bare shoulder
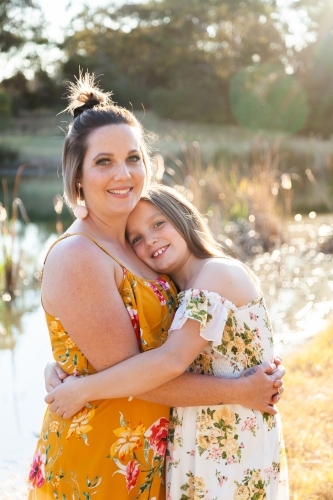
229	278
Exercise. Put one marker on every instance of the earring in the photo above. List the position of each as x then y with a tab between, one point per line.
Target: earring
80	210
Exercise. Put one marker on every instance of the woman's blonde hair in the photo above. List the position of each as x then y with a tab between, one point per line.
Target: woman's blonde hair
186	219
92	108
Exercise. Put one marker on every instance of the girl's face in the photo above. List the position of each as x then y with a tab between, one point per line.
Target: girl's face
155	240
113	171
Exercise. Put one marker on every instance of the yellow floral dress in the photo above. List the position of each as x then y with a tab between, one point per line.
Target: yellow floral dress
111	449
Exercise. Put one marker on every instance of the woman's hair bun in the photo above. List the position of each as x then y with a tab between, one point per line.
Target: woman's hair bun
85	93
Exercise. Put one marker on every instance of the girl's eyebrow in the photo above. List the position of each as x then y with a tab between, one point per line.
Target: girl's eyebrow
112	154
149	218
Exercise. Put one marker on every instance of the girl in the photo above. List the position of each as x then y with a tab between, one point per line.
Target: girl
221	328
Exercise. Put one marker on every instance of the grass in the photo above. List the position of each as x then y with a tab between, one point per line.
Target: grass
41	134
223	155
306	410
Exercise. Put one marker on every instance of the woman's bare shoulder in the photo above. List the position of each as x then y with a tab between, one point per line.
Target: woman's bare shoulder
75	250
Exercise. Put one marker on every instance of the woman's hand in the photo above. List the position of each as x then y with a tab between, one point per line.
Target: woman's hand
67	398
262	386
278	383
54	375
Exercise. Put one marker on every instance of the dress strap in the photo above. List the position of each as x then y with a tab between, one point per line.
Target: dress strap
67	235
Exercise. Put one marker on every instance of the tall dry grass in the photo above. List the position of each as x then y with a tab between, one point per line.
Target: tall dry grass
307	414
254	199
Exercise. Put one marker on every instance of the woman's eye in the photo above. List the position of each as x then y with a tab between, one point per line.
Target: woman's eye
135	158
103	161
136	240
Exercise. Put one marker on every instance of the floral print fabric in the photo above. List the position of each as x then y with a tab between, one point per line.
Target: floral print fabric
111	448
225	452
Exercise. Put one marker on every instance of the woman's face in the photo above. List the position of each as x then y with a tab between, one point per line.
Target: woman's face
155	240
113	172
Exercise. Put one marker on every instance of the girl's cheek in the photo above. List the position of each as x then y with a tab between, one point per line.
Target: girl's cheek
139	252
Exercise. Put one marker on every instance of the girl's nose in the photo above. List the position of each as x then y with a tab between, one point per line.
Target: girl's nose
151	241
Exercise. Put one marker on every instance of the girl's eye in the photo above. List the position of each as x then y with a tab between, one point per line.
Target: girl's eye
159	223
136	240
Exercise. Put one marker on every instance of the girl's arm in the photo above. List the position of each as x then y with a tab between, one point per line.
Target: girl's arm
256	388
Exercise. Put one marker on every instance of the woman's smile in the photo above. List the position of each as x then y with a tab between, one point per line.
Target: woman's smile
113	171
120	192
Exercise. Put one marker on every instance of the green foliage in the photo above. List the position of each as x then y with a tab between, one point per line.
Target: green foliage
177	56
315	71
7	155
193	101
18	24
265	98
40	92
5	107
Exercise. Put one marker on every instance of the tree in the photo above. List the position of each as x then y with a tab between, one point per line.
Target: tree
184	50
16	27
5	107
315	70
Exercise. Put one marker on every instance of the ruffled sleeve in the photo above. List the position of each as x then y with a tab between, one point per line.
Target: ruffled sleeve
209	308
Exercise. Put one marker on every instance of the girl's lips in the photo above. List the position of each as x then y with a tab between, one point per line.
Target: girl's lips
160	251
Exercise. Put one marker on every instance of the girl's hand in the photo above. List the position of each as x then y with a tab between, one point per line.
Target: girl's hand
263	387
54	375
67	398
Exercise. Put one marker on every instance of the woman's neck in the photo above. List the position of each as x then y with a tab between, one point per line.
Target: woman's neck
110	231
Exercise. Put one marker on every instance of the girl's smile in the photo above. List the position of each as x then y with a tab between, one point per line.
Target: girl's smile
155	240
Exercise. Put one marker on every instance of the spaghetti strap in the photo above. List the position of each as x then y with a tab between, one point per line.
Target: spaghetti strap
66	235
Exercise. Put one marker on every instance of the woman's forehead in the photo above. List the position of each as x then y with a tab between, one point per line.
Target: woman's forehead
114	136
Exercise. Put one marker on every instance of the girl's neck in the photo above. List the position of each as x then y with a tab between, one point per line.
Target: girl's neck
187	275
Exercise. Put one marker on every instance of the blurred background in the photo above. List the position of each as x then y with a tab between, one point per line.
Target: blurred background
237	100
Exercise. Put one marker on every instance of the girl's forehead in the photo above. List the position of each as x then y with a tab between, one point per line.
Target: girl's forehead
144	206
143	211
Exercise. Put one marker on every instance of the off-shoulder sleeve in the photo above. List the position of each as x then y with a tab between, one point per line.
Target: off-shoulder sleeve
209	308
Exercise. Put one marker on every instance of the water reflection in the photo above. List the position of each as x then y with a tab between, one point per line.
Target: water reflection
24	350
297	281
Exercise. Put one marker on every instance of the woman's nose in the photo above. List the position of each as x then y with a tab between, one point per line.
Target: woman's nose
122	172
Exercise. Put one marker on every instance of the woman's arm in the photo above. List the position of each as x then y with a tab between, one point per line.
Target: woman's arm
78	281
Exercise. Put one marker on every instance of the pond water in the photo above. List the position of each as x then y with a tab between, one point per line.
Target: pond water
297	282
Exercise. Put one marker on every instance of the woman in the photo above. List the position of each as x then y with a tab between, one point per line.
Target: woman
103	305
219	451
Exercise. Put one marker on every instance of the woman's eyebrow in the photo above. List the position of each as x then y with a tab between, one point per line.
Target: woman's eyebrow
112	154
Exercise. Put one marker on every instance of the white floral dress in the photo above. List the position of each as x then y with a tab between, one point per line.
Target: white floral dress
225	452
